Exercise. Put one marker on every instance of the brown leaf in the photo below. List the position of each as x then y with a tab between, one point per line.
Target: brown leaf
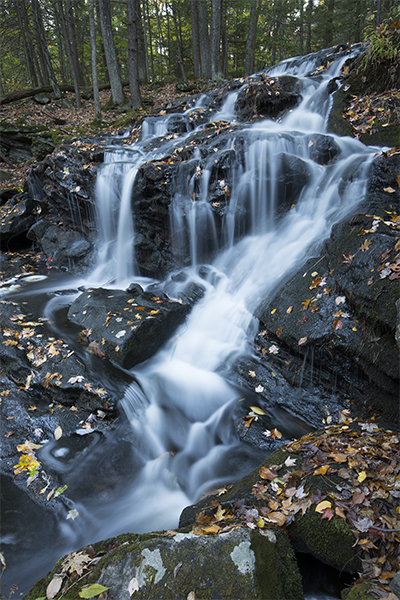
279	331
266	473
358	497
365	245
315	282
277	518
337	324
347	258
328	514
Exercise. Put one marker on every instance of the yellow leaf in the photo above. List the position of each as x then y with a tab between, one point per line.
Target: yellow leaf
362	476
257	410
321	470
252	373
273	311
289	310
322	506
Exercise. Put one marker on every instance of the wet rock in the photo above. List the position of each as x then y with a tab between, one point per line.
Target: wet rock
237	564
127	328
17	215
337	314
42	98
268	99
63	247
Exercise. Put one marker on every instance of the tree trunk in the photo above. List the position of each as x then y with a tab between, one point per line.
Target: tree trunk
178	42
60	45
204	38
42	43
147	16
329	23
27	48
195	37
310	7
301	25
68	45
378	13
110	52
43	68
143	65
160	39
33	55
215	38
133	15
92	26
71	40
251	39
224	39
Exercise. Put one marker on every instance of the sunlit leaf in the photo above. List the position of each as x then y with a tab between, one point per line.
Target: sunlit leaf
321	470
133	586
362	476
58	432
302	341
337	324
322	506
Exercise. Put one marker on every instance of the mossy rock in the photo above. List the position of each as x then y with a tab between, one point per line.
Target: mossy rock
237	564
361	591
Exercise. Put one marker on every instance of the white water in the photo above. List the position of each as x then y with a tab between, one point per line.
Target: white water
184	436
183	440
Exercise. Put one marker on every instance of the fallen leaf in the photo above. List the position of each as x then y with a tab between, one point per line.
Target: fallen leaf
289	310
257	410
340	300
321	470
259	389
91	591
337	324
328	514
389	190
277	518
302	341
347	258
133	586
362	476
365	245
322	506
54	587
268	474
276	434
252	373
58	432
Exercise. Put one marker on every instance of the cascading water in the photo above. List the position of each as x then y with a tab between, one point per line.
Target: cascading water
182	442
185	442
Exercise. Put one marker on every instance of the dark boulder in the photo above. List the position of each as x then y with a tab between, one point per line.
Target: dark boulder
128	327
268	99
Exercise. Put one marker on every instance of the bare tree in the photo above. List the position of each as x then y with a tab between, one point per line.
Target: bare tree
110	52
178	42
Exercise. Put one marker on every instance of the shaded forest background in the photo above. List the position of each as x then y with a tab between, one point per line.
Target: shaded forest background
48	42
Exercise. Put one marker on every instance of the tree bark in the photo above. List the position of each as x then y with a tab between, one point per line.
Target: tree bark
215	38
301	27
42	43
68	46
143	65
92	26
178	42
204	39
110	52
71	41
251	38
195	37
133	14
310	7
27	48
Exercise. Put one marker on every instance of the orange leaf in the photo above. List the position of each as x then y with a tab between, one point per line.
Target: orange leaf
337	324
321	470
322	506
347	258
277	518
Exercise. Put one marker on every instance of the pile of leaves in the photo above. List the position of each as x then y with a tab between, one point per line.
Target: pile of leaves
366	111
349	471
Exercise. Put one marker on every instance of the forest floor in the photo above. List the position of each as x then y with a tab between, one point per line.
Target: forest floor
66	123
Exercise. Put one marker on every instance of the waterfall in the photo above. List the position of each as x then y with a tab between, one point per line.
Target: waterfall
184	439
277	202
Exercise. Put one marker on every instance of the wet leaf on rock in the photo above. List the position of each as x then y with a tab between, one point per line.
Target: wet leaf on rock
54	587
91	591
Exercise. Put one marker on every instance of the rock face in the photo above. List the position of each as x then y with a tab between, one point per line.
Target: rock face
128	327
343	314
238	564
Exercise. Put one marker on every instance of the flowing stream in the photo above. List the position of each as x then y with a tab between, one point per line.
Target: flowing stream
179	440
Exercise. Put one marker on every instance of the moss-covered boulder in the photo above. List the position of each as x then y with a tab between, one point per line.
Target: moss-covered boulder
240	563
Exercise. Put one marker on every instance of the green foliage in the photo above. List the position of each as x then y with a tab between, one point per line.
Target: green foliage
383	42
